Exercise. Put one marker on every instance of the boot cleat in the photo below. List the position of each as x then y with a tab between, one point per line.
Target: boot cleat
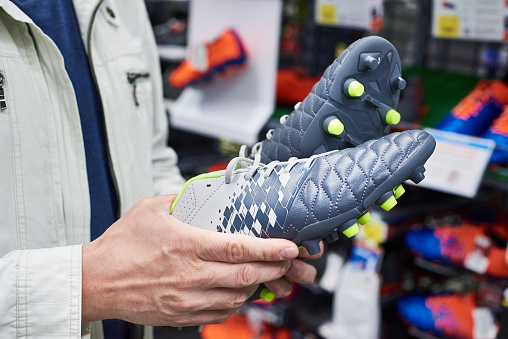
353	88
398	191
332	237
350	228
364	218
387	201
355	101
303	200
333	126
418	175
398	83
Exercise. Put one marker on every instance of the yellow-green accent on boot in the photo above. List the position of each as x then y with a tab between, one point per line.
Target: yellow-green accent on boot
398	191
335	127
201	176
389	204
267	295
351	231
365	218
355	89
392	117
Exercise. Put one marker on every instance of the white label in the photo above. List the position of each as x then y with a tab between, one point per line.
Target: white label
468	19
199	58
363	14
478	260
458	163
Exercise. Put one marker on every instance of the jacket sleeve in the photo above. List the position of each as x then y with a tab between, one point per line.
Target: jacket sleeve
165	172
40	293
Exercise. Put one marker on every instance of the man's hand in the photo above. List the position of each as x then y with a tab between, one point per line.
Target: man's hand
300	272
149	268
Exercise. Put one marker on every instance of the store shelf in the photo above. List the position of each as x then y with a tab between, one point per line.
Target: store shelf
172	53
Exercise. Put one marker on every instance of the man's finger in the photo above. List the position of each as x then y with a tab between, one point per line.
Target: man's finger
237	248
280	287
225	275
301	272
228	298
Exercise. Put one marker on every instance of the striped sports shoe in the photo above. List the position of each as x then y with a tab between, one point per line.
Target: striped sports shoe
453	244
448	315
474	114
498	131
226	54
354	102
305	200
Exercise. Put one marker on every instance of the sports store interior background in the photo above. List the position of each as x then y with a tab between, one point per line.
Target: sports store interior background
435	266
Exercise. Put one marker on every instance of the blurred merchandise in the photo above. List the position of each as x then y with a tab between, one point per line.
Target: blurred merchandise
171	32
451	316
226	54
474	114
465	245
293	85
498	131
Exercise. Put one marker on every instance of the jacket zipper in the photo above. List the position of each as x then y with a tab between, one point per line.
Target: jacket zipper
90	61
133	77
3	102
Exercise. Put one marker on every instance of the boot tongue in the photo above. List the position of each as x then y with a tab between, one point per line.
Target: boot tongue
199	58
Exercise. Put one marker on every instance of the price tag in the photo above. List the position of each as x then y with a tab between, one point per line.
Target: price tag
458	163
327	14
478	260
448	26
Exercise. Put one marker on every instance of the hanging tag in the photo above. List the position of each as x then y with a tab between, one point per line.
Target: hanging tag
199	57
458	163
478	260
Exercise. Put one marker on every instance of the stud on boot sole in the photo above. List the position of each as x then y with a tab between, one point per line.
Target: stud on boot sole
349	228
418	175
312	246
364	218
332	236
398	191
387	201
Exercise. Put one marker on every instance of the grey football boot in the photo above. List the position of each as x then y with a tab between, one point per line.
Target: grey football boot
354	102
305	200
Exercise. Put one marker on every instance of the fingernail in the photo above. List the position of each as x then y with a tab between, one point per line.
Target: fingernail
289	253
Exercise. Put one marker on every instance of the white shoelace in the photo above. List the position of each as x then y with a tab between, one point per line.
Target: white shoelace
242	162
256	149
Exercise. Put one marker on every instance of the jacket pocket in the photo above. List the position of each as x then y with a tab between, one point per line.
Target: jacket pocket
3	101
10	173
134	78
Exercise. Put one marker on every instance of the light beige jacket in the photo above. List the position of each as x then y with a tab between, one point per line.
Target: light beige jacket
44	198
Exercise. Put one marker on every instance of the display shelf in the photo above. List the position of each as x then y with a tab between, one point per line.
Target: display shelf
234	108
172	53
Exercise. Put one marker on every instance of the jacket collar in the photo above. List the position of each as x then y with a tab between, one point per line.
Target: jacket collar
13	11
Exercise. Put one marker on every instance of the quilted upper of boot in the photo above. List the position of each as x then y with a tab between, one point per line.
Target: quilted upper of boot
282	199
286	139
344	180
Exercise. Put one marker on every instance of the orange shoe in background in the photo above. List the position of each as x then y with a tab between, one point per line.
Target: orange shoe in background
474	114
452	244
237	326
224	54
498	132
293	85
450	316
